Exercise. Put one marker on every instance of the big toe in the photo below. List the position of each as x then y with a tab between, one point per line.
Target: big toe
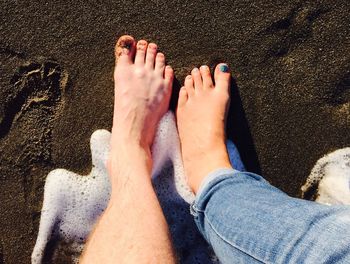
125	49
222	77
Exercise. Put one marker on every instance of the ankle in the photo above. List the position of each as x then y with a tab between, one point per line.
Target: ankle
207	163
134	139
125	158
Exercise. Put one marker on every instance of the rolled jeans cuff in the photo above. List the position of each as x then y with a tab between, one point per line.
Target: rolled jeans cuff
213	175
206	183
213	179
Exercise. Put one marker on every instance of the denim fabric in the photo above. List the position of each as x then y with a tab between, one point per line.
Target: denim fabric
246	220
235	157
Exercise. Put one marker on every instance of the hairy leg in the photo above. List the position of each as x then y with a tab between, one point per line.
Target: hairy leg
133	228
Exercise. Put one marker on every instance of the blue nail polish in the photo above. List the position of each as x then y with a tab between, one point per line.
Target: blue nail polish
224	68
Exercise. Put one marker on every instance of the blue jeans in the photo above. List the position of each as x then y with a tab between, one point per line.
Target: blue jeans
246	220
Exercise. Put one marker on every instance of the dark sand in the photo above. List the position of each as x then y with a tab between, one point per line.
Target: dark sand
290	59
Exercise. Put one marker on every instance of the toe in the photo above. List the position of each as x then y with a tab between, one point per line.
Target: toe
160	63
222	77
197	79
206	77
189	85
125	49
150	55
169	77
182	97
141	48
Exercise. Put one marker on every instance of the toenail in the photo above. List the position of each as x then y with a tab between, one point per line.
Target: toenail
188	76
153	46
124	46
141	46
121	50
204	67
195	70
224	68
125	51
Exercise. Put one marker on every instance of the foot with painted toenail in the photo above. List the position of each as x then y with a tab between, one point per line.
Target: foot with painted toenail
201	119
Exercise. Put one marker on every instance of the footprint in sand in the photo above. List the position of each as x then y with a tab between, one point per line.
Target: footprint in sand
35	84
292	30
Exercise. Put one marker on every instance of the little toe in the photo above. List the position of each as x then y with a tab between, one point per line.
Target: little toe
182	97
189	85
206	77
197	79
141	48
125	49
222	77
160	63
150	55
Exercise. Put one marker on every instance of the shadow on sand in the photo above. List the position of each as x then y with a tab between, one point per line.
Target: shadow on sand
239	132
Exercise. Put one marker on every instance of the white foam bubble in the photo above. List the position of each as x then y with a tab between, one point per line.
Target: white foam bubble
330	179
72	202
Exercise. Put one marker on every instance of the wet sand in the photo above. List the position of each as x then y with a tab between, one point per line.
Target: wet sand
291	104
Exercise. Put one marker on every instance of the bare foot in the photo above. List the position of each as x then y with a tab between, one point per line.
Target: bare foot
142	89
143	86
201	117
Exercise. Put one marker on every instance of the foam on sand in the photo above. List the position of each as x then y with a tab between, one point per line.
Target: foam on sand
329	180
72	202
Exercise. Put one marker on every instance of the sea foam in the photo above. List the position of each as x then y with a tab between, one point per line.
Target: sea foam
328	182
72	202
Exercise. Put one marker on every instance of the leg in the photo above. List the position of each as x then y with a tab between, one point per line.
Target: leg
245	219
133	228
